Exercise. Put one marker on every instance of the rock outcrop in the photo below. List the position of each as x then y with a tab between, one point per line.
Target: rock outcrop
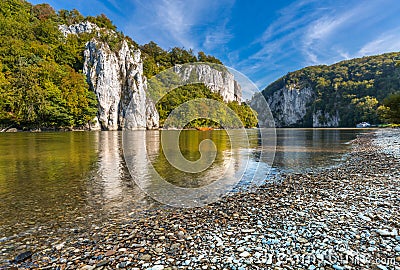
289	105
292	107
117	79
324	119
217	78
78	28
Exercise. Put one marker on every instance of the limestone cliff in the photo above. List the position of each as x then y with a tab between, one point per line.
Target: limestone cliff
117	79
289	105
292	107
324	119
218	79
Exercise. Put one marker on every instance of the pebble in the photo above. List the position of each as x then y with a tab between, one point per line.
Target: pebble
382	232
23	256
87	267
60	246
337	267
245	254
110	253
145	257
302	240
102	263
382	267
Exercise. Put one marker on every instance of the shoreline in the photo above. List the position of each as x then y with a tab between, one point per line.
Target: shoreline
61	130
309	220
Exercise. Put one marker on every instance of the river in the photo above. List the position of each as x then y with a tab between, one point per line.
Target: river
54	181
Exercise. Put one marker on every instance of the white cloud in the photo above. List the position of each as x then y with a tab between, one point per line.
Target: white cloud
309	32
190	24
386	42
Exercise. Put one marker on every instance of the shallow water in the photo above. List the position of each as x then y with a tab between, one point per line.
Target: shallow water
60	179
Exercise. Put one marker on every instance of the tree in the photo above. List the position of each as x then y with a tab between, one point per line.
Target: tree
390	110
43	11
202	57
366	109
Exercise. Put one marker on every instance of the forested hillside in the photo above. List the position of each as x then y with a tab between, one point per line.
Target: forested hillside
353	89
41	80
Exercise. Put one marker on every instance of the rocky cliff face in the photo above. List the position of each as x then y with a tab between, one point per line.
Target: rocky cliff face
291	107
324	119
79	28
219	81
117	79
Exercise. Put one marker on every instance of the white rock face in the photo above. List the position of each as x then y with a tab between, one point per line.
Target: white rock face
78	28
118	81
221	82
289	106
321	119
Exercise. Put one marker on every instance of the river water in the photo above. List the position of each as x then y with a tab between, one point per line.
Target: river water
56	180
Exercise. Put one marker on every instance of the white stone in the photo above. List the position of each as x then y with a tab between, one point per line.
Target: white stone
221	82
78	28
245	254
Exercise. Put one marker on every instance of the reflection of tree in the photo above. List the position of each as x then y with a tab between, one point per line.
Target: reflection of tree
44	175
189	141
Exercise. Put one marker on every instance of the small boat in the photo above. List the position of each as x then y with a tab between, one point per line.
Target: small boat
363	125
204	128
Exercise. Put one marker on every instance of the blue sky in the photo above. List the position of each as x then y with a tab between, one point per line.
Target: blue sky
262	39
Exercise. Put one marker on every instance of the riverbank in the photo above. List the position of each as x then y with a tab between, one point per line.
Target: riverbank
344	217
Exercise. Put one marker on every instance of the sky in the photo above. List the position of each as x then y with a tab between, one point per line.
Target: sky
263	39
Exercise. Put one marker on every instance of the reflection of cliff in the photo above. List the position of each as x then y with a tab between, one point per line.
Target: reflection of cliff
113	185
110	165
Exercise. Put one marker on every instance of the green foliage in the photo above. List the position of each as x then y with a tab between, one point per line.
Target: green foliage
366	109
41	82
216	116
354	88
202	57
102	21
155	59
69	17
246	114
390	110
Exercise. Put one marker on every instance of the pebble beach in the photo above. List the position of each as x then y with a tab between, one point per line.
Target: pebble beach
345	217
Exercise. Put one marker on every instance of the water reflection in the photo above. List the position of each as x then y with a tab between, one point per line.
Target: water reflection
305	149
110	165
154	173
43	177
57	177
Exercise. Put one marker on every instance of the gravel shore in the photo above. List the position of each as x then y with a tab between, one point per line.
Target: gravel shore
347	217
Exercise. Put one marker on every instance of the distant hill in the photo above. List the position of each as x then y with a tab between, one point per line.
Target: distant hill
339	95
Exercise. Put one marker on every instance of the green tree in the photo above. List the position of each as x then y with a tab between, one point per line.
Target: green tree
390	110
366	109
